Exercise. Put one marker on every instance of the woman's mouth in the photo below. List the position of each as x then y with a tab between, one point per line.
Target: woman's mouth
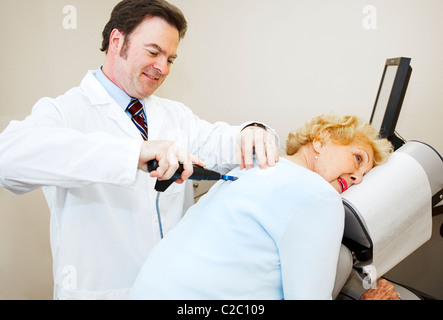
343	184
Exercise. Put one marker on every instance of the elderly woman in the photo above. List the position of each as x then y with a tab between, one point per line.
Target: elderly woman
273	233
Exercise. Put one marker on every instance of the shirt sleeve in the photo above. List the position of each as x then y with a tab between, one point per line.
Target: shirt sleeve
309	249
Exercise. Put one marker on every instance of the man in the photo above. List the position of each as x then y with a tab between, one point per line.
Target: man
89	150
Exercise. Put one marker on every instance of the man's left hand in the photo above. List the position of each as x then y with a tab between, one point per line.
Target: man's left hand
254	138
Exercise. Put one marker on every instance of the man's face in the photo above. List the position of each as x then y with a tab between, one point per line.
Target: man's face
144	62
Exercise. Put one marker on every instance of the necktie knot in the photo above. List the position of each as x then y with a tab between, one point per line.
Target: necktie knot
135	108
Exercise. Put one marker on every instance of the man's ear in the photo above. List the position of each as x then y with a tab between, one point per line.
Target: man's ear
116	40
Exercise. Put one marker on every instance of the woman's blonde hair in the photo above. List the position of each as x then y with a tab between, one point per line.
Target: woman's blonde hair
342	130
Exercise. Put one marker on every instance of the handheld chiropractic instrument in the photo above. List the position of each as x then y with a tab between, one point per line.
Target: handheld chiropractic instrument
199	174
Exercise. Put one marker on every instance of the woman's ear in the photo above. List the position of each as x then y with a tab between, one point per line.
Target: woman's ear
320	141
318	146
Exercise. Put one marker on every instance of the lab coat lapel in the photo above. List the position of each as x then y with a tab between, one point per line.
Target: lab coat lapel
116	114
155	118
99	98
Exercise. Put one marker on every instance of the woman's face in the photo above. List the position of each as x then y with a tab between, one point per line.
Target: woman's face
342	165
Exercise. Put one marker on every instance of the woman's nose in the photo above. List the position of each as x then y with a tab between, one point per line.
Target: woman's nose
356	178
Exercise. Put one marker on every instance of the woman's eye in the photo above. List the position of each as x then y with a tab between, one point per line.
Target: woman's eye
154	54
359	158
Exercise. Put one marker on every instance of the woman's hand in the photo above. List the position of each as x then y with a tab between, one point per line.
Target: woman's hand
384	291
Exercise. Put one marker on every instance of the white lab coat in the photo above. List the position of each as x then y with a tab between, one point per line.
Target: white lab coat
83	150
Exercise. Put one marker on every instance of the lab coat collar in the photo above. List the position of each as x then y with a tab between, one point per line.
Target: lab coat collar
98	96
95	92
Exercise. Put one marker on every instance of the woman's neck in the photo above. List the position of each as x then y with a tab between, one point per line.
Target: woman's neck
303	157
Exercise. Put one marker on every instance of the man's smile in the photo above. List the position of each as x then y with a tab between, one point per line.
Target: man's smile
151	77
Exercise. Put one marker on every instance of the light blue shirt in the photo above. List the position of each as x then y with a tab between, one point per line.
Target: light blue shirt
273	234
121	97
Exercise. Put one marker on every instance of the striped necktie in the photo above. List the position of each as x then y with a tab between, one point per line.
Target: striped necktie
135	108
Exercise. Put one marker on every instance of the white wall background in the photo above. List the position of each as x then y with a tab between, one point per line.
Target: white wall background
279	61
284	61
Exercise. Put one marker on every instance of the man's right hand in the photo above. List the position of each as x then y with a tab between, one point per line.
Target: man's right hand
168	155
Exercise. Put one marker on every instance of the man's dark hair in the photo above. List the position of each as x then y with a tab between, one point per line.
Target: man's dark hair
128	14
